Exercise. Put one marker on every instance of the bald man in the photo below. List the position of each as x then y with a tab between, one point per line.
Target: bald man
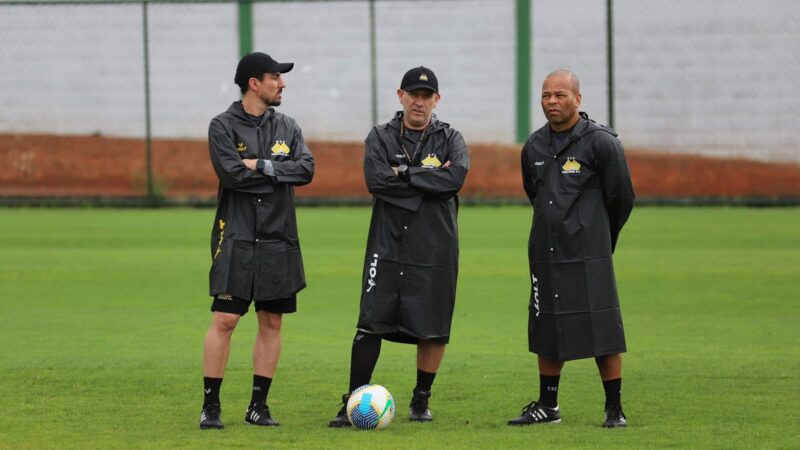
576	178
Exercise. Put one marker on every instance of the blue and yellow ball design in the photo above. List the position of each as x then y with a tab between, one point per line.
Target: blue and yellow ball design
370	407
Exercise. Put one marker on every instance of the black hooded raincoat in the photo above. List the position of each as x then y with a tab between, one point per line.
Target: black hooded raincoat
411	262
254	243
581	196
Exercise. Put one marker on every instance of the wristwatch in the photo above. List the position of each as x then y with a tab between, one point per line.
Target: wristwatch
261	165
402	172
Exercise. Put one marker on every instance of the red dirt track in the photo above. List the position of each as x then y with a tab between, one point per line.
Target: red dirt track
96	166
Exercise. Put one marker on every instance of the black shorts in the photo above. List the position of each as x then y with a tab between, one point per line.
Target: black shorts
236	305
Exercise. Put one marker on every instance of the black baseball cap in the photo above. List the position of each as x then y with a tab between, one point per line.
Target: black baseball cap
256	64
420	78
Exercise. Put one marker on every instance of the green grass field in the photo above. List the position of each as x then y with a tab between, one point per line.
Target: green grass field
103	314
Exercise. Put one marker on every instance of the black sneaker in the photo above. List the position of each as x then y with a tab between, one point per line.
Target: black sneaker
535	412
614	417
209	417
258	414
418	409
341	420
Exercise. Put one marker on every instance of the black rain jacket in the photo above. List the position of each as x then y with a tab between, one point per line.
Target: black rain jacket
582	196
411	261
254	243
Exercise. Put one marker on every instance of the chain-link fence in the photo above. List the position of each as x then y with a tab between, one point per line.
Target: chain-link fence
697	76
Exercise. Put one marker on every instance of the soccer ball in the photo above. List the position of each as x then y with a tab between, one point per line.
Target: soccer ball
370	407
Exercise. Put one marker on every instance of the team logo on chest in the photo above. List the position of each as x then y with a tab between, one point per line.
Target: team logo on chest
571	166
280	148
241	147
431	162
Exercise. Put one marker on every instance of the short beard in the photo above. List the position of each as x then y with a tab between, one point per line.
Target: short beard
271	101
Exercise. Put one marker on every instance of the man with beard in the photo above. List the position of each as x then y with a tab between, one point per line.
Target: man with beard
575	175
259	156
414	166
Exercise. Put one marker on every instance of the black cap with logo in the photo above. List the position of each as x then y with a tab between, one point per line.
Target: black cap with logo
256	64
420	78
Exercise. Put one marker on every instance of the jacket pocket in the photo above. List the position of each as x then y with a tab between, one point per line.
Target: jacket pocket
240	276
279	272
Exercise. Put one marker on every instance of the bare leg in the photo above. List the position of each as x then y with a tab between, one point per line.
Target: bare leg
217	345
429	356
267	348
550	367
610	366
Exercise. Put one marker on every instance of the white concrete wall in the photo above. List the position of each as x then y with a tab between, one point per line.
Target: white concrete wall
71	69
717	76
328	91
193	56
710	76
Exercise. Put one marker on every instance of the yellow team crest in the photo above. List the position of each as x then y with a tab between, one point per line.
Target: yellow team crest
431	162
241	147
280	148
423	77
571	166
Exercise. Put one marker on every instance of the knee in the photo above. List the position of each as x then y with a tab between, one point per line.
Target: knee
270	322
224	322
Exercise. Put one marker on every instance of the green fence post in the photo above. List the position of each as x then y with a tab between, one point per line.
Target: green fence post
523	70
245	27
148	138
373	68
610	59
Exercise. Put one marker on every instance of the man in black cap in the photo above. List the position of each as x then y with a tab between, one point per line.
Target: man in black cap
259	156
577	180
414	167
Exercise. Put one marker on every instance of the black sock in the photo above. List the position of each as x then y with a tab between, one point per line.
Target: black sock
548	390
363	358
425	380
613	390
211	388
260	389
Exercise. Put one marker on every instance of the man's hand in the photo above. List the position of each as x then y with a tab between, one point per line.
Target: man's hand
446	165
395	171
250	164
